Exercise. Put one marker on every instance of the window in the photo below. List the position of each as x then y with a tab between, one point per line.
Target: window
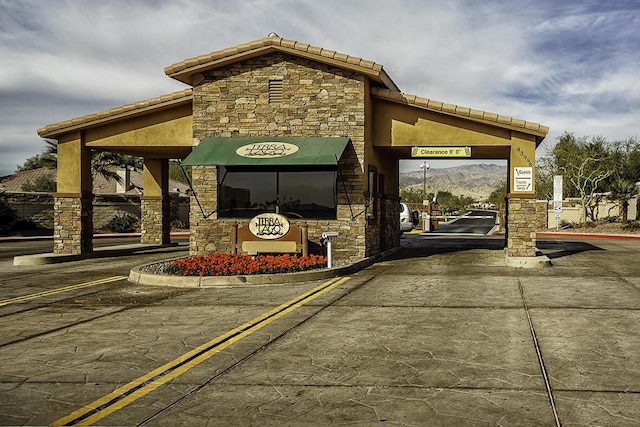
291	191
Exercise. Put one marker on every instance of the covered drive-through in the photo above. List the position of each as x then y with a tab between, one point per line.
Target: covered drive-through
279	127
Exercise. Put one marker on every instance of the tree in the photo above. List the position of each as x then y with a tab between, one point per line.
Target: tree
102	162
585	166
625	162
498	195
7	214
48	158
621	191
42	184
176	172
411	195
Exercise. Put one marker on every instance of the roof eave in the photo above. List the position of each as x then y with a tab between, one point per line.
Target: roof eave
126	111
493	119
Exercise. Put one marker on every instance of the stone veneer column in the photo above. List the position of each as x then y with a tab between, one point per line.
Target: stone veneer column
73	201
73	224
155	213
155	205
522	221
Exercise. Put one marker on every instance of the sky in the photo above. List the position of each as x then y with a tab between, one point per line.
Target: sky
571	65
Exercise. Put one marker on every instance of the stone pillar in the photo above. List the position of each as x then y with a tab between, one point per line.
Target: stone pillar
155	224
522	222
73	201
155	206
73	224
522	213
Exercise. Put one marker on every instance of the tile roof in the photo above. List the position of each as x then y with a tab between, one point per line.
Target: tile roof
101	185
123	111
457	110
184	70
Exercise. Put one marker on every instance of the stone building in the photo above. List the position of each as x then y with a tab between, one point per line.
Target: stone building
281	127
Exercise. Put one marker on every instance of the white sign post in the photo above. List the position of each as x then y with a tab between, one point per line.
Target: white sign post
557	198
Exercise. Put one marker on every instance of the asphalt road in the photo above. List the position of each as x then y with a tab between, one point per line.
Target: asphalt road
474	222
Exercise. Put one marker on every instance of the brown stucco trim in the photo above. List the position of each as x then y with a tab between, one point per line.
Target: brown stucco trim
494	119
153	197
521	196
185	70
118	113
71	195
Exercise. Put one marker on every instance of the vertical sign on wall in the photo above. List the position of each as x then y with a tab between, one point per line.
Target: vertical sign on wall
523	179
557	197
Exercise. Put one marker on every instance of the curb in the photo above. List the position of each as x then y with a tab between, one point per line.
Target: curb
142	278
589	235
106	252
95	236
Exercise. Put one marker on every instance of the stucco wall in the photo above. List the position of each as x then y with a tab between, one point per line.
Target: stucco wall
318	100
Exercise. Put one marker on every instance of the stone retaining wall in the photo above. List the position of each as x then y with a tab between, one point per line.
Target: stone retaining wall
38	207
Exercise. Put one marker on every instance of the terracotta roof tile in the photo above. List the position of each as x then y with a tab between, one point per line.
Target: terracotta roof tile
94	118
184	69
457	110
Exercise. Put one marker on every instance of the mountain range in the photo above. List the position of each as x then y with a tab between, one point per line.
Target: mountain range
476	180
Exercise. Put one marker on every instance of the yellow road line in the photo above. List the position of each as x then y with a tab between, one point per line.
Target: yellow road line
144	385
60	290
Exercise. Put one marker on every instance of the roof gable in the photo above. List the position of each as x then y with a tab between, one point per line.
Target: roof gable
185	71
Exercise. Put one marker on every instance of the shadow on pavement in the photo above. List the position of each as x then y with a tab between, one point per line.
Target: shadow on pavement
424	246
555	250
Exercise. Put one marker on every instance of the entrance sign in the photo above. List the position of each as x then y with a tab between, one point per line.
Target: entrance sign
441	152
267	150
523	179
269	226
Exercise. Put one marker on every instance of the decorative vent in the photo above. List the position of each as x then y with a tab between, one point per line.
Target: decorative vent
275	91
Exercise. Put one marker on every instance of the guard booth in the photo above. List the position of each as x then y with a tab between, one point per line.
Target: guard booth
283	127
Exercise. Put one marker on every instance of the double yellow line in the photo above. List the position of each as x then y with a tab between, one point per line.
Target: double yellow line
60	290
144	385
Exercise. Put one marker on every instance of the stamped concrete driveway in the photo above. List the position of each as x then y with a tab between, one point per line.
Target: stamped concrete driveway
441	333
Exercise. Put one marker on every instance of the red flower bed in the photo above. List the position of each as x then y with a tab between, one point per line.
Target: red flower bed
232	264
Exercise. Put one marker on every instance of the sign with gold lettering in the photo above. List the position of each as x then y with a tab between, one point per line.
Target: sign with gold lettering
441	152
269	226
267	150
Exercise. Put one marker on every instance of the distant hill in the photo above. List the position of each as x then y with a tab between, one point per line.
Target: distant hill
477	180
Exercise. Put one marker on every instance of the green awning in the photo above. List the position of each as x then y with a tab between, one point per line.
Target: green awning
267	151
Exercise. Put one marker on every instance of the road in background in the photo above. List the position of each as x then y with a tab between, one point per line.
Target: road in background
474	222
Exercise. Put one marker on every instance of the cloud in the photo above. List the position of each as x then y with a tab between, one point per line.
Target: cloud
570	65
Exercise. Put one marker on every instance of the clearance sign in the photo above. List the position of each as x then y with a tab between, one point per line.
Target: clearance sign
441	152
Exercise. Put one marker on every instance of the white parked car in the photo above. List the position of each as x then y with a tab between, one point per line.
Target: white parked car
406	218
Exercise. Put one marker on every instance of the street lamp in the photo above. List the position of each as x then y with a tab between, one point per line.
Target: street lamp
425	215
424	166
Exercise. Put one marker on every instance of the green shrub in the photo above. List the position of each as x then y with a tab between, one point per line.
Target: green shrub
42	184
122	223
7	214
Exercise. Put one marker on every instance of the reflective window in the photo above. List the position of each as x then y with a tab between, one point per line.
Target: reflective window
293	192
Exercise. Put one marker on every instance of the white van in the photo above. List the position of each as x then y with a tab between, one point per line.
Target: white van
406	218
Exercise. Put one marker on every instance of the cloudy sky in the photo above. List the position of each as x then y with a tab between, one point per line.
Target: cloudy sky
572	65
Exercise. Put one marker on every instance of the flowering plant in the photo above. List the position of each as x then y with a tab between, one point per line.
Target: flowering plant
233	264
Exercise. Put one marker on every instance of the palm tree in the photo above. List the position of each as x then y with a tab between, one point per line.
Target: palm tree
621	191
102	162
